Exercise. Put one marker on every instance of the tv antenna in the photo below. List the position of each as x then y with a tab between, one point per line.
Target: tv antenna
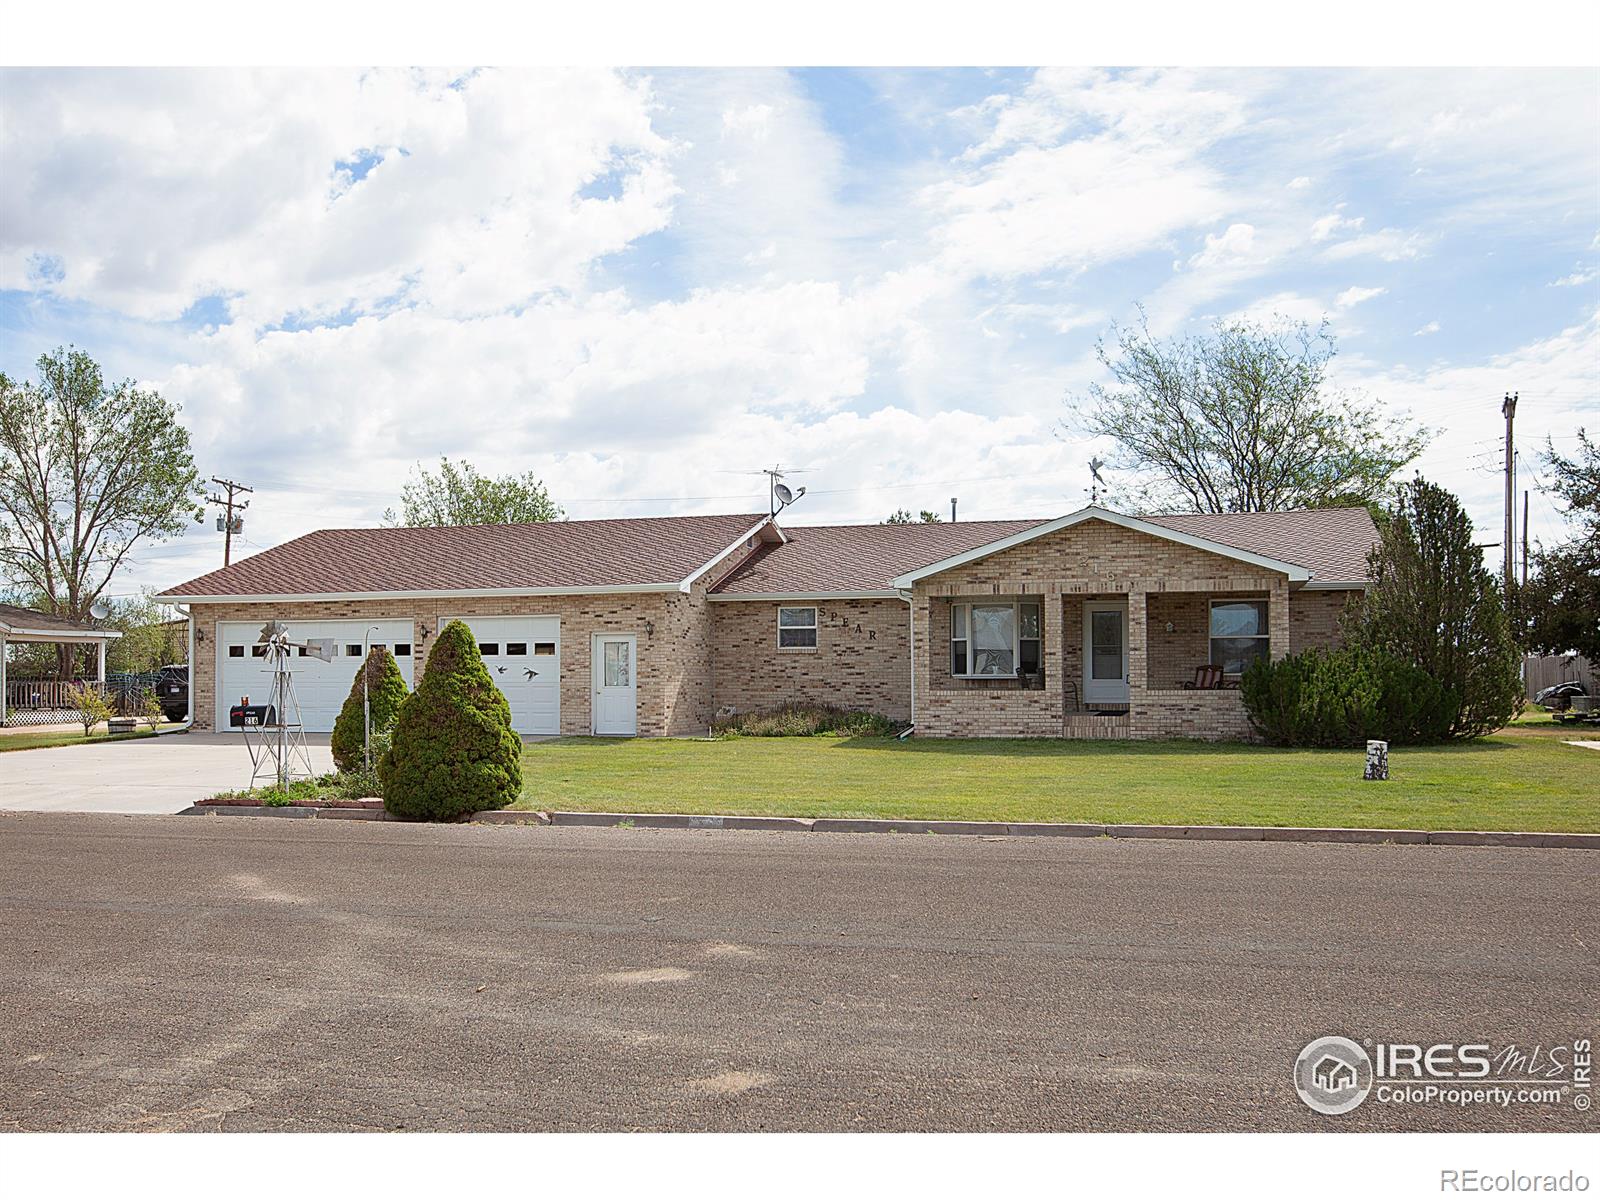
779	494
273	732
1096	481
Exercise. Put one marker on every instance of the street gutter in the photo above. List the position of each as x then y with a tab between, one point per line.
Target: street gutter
1187	833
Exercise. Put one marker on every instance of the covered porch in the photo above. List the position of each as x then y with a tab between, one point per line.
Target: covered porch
44	701
1080	659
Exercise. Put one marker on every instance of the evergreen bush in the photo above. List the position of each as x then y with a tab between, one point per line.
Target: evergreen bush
454	751
1343	697
387	688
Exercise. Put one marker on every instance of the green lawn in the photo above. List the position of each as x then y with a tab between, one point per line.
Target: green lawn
61	737
1521	779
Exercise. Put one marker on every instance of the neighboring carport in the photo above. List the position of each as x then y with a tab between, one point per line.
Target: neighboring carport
28	625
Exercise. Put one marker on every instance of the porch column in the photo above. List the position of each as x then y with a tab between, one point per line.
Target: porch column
100	667
1051	652
2	679
1278	620
1138	648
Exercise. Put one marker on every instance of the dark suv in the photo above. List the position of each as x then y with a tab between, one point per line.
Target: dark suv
172	690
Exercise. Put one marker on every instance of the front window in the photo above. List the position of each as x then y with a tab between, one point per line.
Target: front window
797	628
1238	634
996	640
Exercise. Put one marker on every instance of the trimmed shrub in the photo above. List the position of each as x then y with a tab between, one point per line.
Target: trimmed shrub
807	720
387	689
454	751
1343	697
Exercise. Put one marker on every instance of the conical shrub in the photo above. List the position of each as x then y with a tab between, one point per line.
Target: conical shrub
454	751
387	688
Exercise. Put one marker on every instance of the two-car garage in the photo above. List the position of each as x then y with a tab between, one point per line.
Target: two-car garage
522	654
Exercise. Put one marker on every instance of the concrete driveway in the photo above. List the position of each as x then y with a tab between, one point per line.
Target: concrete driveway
143	775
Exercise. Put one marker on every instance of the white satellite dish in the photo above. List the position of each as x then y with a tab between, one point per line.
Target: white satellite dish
99	610
785	496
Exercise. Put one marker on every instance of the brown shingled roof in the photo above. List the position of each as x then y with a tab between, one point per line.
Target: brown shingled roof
642	551
1330	543
14	617
858	558
628	552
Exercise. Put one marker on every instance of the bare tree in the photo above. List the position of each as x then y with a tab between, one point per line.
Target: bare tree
1242	420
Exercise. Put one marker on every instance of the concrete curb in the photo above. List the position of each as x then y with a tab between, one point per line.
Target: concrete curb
1182	833
1193	833
288	810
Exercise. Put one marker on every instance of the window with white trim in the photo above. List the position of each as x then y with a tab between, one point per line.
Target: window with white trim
996	639
1239	634
797	628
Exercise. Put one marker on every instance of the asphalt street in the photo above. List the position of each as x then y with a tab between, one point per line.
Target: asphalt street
247	973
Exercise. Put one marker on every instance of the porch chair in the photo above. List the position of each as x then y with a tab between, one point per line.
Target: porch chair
1207	678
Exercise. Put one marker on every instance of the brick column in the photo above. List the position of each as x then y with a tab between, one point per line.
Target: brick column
1138	647
1278	620
1050	652
921	625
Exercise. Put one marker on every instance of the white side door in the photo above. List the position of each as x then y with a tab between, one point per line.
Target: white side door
616	684
1105	652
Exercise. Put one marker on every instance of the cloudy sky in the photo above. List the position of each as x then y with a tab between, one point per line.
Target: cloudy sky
639	283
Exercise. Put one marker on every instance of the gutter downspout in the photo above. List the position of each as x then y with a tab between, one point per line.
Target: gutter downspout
911	618
188	720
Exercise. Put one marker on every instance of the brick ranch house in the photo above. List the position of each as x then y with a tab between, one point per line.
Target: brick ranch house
1090	625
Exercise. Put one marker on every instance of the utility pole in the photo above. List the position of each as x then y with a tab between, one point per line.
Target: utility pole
229	524
1509	411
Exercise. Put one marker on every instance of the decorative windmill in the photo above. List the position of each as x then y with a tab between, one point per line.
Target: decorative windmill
273	732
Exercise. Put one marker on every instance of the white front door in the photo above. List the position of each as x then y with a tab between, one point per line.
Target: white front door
616	687
1105	652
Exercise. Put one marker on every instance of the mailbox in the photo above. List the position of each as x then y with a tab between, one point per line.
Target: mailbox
252	715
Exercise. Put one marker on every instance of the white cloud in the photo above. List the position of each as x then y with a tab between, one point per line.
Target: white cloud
1083	167
1430	328
1335	222
1299	182
228	182
1578	278
1353	296
1233	246
1389	245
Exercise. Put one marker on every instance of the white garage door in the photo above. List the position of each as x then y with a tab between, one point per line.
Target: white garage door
523	655
321	687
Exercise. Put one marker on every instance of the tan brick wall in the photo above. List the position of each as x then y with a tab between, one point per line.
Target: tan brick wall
1314	619
862	659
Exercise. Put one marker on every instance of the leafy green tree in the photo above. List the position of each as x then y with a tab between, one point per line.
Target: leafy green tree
153	634
1560	606
89	704
1242	420
88	470
902	516
385	690
454	751
1434	605
459	495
